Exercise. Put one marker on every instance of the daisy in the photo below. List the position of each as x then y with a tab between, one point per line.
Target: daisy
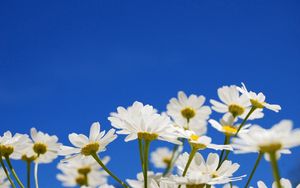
285	183
86	146
202	142
45	146
12	145
91	146
258	100
161	157
4	183
153	180
189	112
227	127
84	172
143	122
233	103
280	138
201	172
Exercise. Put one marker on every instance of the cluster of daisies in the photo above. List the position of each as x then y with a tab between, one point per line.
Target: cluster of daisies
184	123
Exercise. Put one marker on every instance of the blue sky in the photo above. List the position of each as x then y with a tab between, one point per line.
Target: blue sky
66	64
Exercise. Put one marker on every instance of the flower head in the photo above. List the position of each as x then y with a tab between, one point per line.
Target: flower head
258	100
161	157
86	146
45	146
202	142
233	103
4	183
12	145
226	125
142	121
280	138
82	172
285	183
188	112
203	172
153	180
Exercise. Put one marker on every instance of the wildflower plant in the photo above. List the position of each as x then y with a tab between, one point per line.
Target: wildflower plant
185	122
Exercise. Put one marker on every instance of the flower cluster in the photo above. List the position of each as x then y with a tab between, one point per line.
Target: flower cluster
185	122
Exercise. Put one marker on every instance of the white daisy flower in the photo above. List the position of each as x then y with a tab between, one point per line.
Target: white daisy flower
142	121
82	172
12	145
86	146
189	112
4	183
226	126
201	172
233	103
258	100
161	157
285	183
107	186
45	146
202	142
153	180
280	138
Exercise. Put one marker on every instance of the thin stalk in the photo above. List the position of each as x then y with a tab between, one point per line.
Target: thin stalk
36	180
253	108
226	141
141	150
13	172
28	163
275	169
169	166
191	156
96	157
146	153
6	172
254	169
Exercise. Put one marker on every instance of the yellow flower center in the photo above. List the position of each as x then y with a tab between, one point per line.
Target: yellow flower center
90	149
6	150
229	129
167	160
214	175
188	113
84	170
194	137
257	104
81	180
270	148
236	110
40	148
28	159
196	186
147	136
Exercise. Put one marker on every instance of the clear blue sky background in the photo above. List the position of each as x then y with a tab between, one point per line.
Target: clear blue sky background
65	64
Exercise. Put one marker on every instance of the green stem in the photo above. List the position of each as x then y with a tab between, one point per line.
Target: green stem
6	172
226	141
146	153
253	108
95	156
191	156
28	172
275	168
13	172
254	169
141	150
171	160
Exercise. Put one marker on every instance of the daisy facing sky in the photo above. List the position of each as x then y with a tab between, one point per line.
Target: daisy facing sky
233	103
143	121
189	112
